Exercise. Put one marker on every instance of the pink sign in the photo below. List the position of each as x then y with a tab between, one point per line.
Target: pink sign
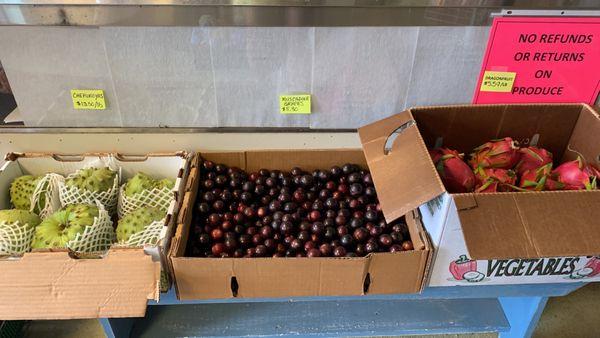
550	60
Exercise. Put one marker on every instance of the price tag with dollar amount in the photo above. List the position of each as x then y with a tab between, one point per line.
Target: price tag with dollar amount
294	104
501	82
88	99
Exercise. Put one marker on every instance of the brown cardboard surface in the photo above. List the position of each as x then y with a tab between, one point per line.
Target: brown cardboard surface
388	271
466	127
530	225
185	213
305	159
204	278
230	158
287	159
461	131
585	138
52	285
401	272
200	278
405	177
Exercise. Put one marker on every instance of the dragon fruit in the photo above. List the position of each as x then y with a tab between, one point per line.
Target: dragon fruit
552	184
532	158
535	179
571	175
592	171
494	180
501	154
488	186
455	173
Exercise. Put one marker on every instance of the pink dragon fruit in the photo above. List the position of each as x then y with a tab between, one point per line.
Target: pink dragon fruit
500	175
571	176
455	173
488	186
502	154
494	180
552	184
535	179
532	158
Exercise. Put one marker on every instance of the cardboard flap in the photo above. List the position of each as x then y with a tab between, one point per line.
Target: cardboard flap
388	271
585	139
530	225
299	276
402	170
307	159
204	278
52	285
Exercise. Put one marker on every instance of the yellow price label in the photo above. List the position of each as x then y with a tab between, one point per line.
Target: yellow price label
88	99
501	82
294	104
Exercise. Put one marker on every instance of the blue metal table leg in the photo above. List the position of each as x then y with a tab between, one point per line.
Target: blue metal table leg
523	314
117	327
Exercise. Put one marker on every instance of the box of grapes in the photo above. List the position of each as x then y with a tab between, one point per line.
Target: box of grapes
291	223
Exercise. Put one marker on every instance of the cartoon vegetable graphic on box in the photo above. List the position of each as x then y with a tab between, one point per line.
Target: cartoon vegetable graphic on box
591	269
594	264
465	269
461	266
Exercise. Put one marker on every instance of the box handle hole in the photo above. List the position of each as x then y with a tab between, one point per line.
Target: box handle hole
392	137
131	158
67	158
234	286
367	283
534	140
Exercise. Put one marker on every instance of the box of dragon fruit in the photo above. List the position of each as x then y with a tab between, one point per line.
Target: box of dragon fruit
508	193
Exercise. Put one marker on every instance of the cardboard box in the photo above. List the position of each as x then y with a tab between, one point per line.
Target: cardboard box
57	285
205	278
495	238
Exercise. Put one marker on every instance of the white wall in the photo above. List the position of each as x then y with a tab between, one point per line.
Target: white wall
232	76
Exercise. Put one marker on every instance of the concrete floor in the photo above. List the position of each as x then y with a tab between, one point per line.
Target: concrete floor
575	315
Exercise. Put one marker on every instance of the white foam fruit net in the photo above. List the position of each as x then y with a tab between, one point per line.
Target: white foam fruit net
45	199
151	235
155	198
74	195
15	238
96	238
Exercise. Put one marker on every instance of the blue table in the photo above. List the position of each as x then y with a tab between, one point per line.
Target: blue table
511	310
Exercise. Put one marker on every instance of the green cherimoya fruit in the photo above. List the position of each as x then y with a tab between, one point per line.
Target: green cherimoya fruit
63	226
142	182
22	216
166	183
138	183
93	179
137	221
21	190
